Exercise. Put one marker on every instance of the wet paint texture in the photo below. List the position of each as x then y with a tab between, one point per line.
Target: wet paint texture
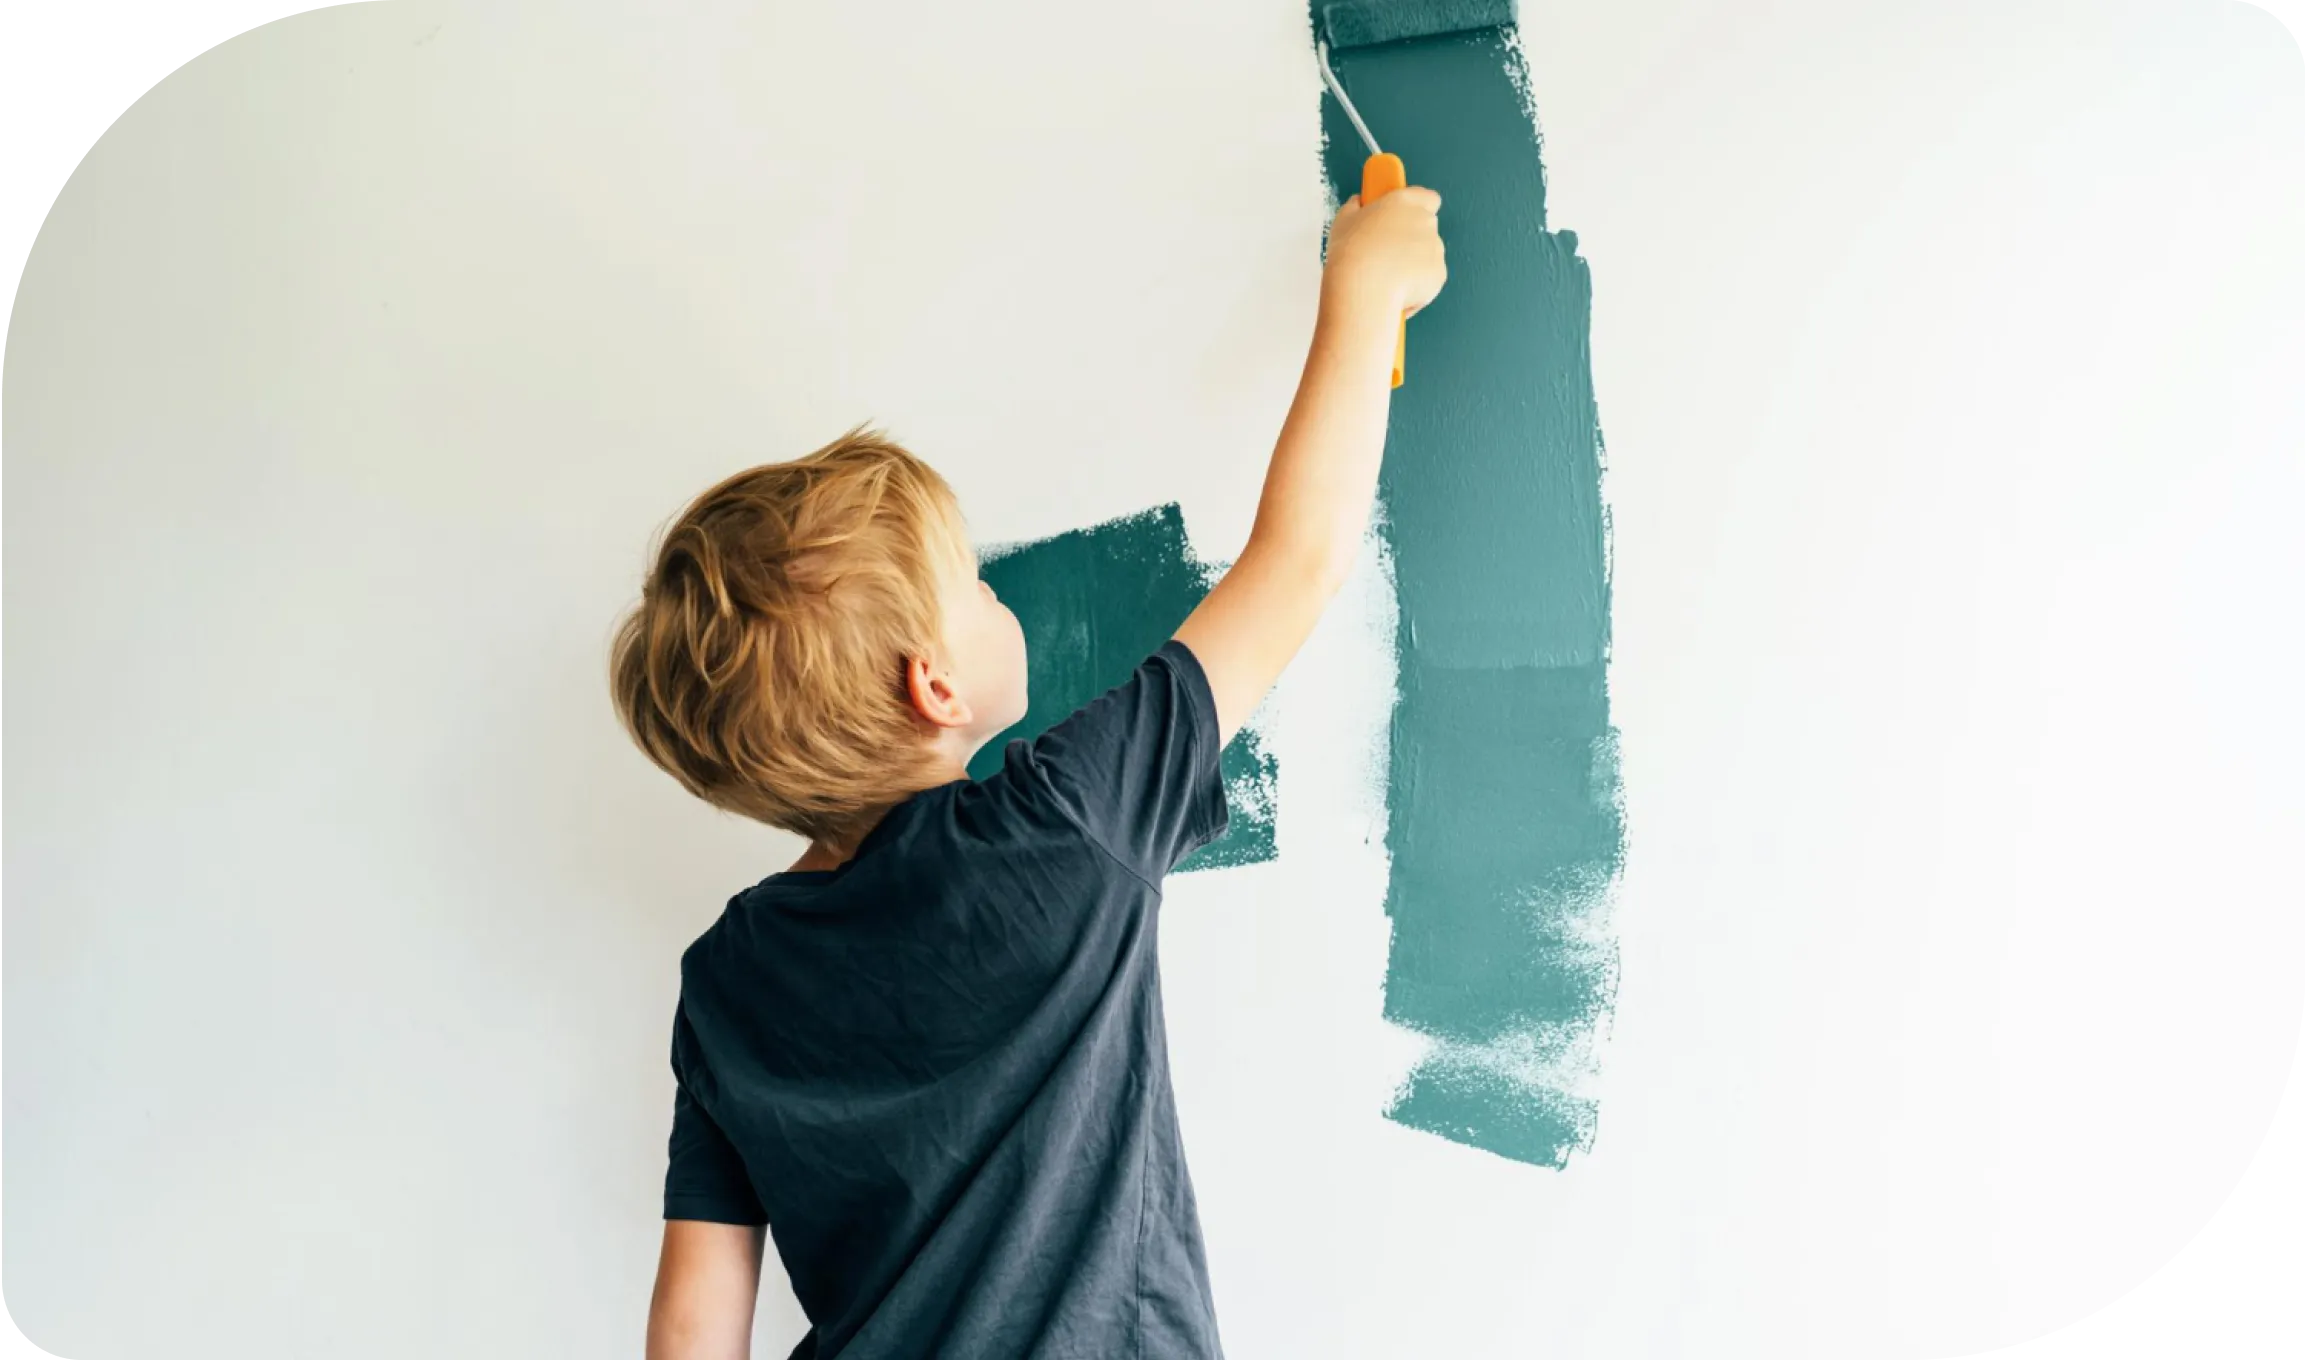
1505	827
1094	603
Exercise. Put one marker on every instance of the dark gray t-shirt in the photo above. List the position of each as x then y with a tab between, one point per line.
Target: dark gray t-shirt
939	1073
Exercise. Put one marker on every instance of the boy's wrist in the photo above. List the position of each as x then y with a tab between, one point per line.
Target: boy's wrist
1357	324
1350	291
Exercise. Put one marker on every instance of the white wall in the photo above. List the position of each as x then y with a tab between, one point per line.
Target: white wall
1947	357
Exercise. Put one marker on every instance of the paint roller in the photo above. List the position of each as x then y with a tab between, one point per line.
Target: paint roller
1369	23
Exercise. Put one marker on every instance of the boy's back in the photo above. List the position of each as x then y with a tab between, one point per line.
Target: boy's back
938	1070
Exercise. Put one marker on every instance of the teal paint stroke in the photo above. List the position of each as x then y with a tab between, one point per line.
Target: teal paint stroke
1095	603
1506	830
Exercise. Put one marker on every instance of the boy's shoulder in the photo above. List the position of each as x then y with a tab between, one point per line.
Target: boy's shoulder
1136	770
1117	792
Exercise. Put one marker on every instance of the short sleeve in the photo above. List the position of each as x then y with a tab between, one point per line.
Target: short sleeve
1138	766
705	1177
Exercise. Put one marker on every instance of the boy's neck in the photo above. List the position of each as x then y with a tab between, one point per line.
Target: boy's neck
815	859
820	856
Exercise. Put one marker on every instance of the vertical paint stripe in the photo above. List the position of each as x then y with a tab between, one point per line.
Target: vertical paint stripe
1505	831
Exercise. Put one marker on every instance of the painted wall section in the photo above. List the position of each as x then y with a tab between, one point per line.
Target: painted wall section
1094	603
1506	830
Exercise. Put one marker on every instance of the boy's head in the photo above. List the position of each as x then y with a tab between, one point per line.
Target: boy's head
813	642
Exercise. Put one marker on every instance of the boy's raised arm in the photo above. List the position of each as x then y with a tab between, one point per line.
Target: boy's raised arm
1383	260
707	1282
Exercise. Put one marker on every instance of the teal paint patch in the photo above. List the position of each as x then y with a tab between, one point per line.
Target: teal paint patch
1506	828
1094	603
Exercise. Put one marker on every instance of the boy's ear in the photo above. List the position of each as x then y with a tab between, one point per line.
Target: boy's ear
932	694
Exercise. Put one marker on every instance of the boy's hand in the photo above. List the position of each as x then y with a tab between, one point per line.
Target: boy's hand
1388	249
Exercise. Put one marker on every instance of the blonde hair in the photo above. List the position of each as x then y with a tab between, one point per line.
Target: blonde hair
764	667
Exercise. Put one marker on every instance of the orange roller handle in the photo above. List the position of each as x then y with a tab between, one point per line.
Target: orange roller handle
1383	174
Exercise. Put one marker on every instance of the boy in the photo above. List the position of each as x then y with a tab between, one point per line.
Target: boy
929	1056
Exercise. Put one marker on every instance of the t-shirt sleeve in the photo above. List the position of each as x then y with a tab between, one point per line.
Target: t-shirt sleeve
1138	765
705	1177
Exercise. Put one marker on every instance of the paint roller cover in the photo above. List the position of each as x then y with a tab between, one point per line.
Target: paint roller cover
1369	22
